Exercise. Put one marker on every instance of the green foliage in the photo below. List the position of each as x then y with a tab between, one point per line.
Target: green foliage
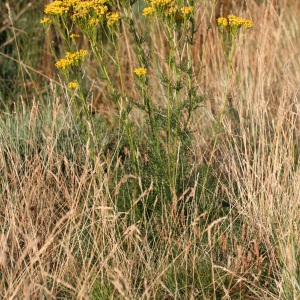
138	209
21	51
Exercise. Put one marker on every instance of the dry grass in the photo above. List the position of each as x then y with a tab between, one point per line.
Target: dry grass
64	236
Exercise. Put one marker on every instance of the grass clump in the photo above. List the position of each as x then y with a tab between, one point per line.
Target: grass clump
156	158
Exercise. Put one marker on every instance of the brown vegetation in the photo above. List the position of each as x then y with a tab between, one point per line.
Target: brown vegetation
63	234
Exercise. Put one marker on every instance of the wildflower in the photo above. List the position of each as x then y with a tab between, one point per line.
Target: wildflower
233	23
99	1
248	23
72	58
112	18
172	10
46	21
74	36
76	56
57	8
161	3
63	64
140	72
187	10
148	11
72	2
83	6
222	22
79	16
101	10
73	85
93	21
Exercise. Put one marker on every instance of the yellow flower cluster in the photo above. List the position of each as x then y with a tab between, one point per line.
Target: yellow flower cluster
93	21
233	22
73	85
236	21
46	21
57	8
172	10
186	10
112	18
161	3
140	71
99	1
148	11
74	36
248	23
72	58
76	56
81	12
168	8
100	10
222	22
88	10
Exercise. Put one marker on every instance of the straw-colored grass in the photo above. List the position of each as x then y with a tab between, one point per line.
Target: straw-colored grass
78	224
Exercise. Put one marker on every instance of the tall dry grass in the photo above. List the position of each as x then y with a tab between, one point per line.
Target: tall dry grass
259	151
64	236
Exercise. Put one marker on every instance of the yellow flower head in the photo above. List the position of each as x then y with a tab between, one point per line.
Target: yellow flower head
100	10
233	23
84	5
57	8
222	22
140	72
112	18
46	21
248	23
74	36
161	3
73	85
187	10
71	2
148	11
72	58
76	56
93	21
99	1
172	10
63	64
89	11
